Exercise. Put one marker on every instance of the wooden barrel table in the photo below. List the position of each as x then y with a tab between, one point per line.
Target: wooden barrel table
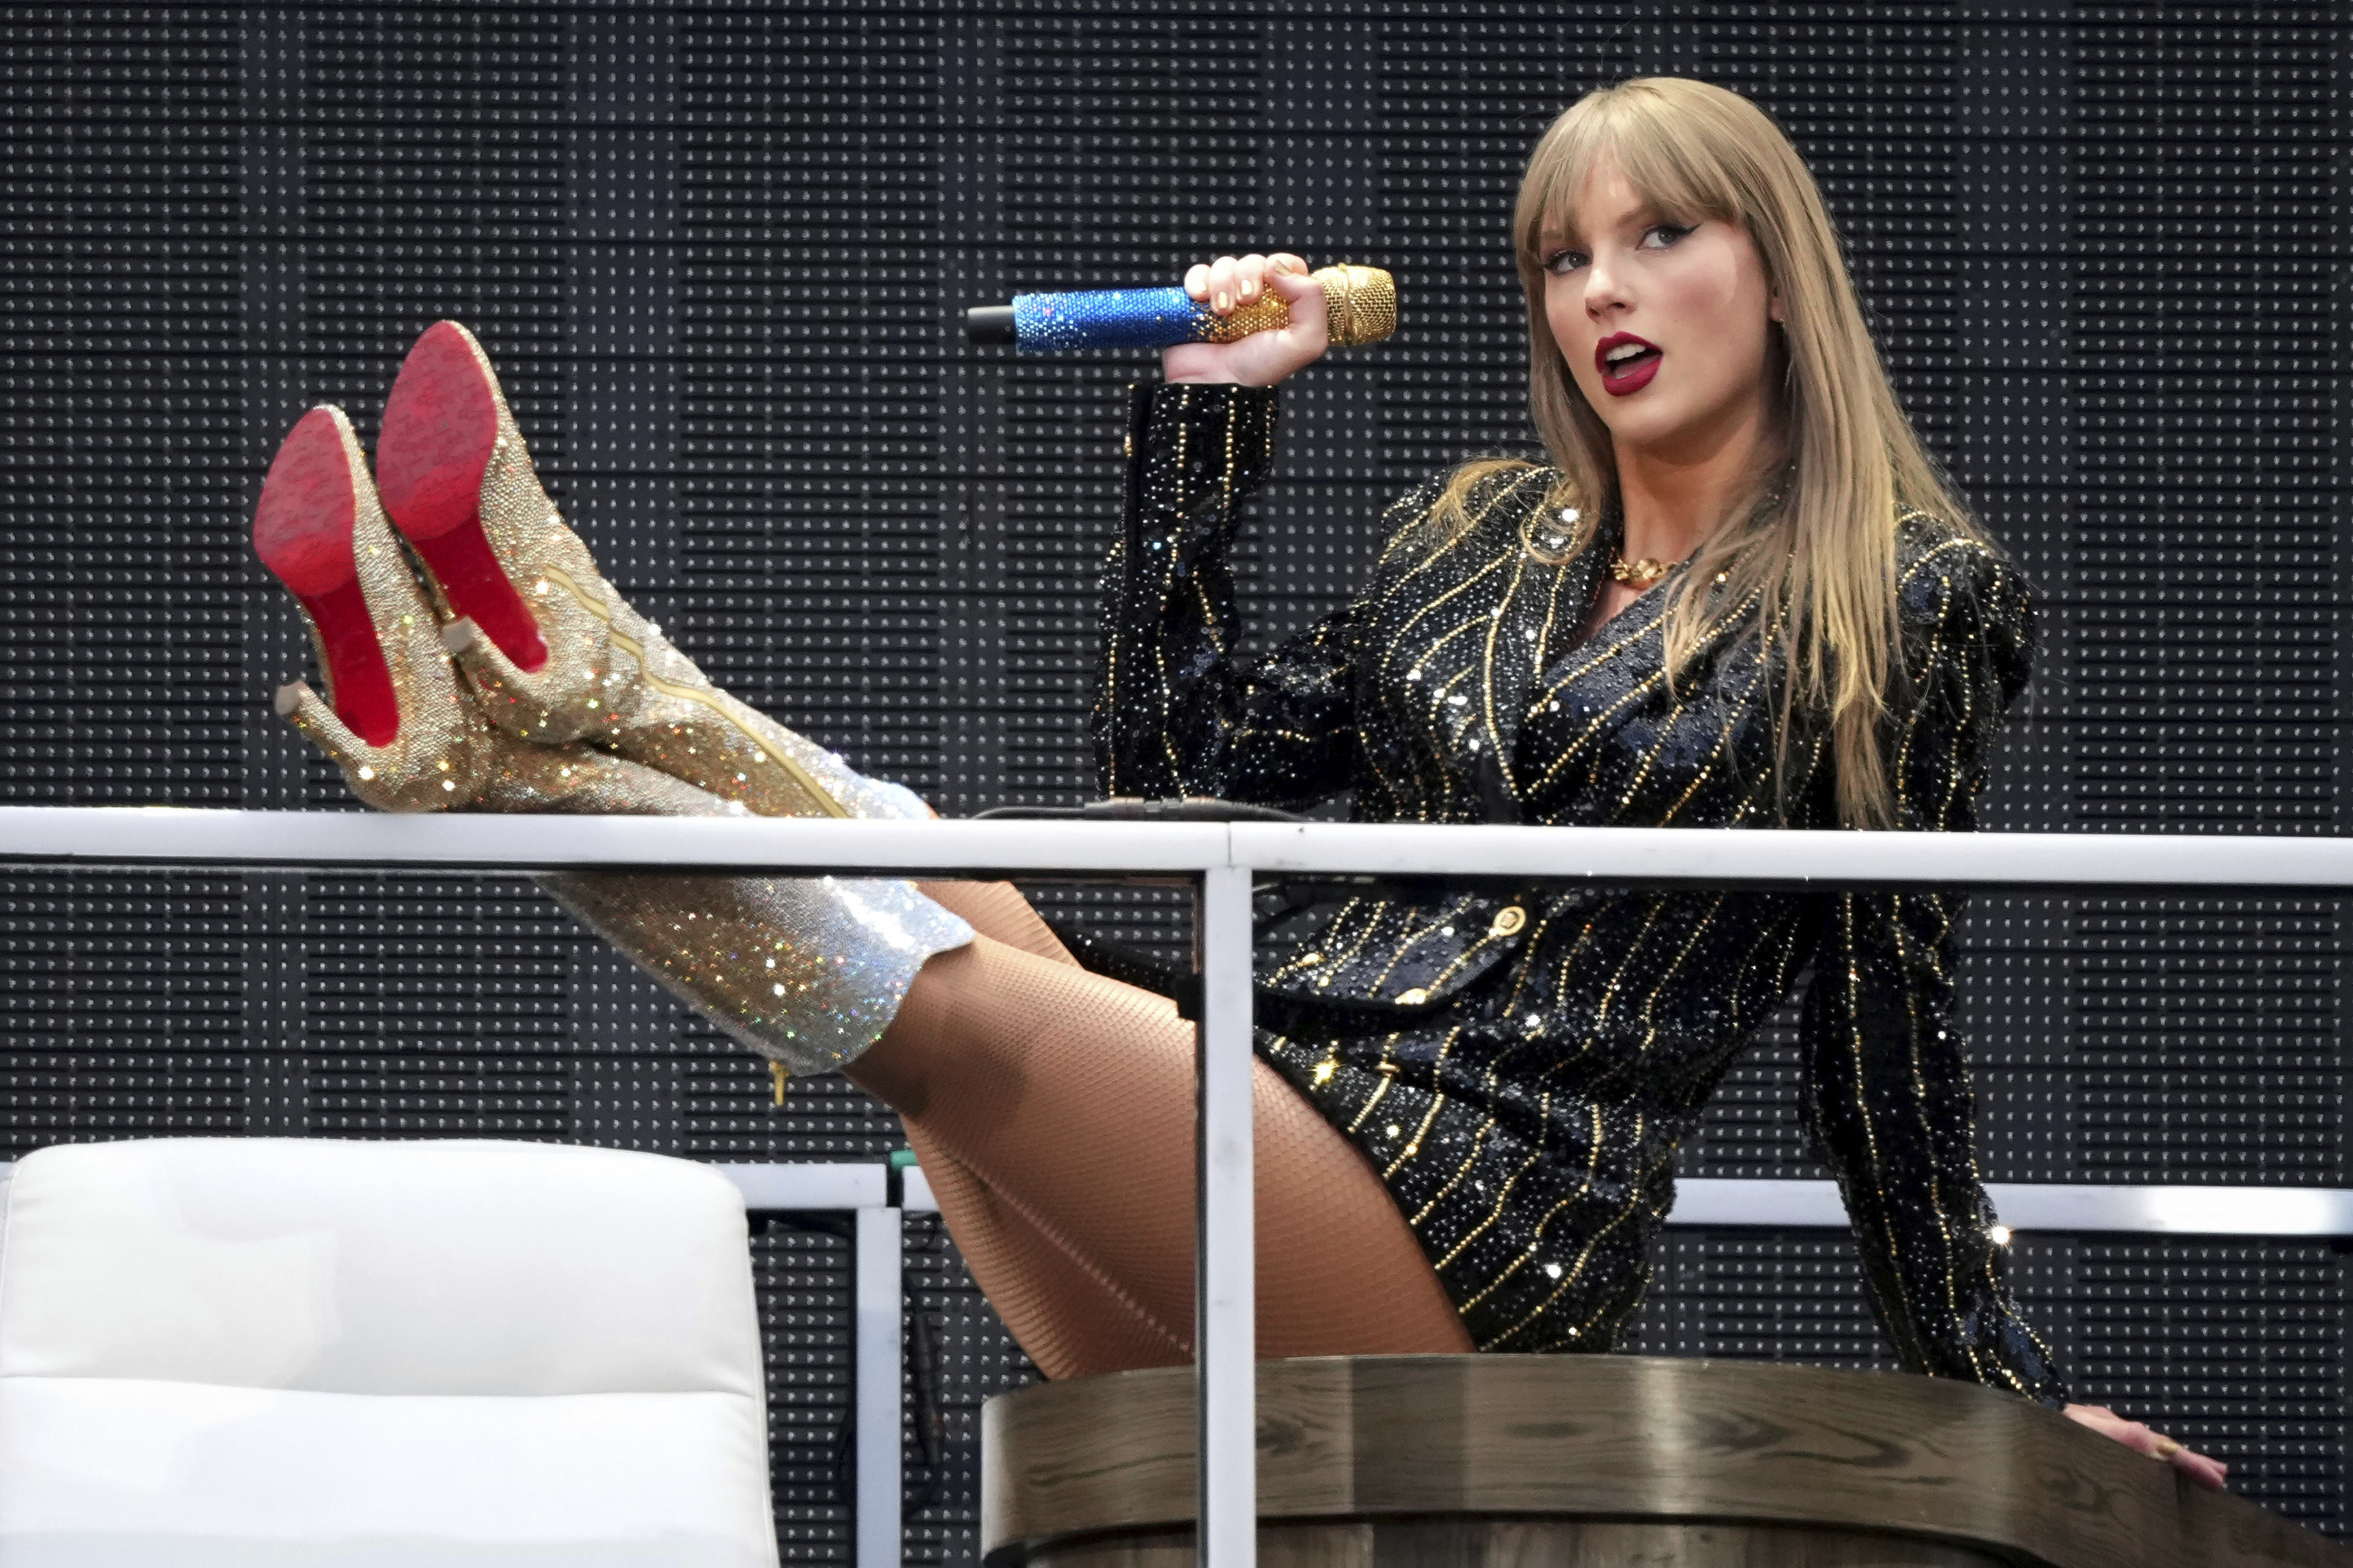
1603	1461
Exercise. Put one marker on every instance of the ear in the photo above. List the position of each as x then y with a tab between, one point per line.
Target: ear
1773	312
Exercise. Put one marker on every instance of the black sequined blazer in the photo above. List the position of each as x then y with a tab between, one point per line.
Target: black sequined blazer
1520	1069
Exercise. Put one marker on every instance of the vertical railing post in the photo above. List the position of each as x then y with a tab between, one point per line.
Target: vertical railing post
1225	1334
878	1284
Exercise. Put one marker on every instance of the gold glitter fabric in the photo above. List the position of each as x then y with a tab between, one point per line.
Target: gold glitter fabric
1520	1067
611	677
655	707
806	971
445	757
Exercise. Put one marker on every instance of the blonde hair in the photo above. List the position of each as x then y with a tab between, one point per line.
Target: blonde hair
1821	565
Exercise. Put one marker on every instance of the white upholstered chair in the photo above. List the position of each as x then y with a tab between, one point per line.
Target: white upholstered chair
277	1352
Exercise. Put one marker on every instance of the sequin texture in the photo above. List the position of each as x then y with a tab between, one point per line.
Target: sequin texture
807	972
1109	319
1544	1052
1360	307
445	757
611	677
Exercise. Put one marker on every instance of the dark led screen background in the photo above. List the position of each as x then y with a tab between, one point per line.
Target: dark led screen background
715	251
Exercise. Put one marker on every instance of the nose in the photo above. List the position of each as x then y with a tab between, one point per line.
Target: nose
1605	289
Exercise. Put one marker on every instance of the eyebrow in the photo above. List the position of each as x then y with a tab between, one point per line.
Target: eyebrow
1647	213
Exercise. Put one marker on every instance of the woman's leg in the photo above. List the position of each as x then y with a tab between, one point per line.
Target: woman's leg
1066	1099
998	910
1072	1323
1064	1104
1069	1320
1054	1109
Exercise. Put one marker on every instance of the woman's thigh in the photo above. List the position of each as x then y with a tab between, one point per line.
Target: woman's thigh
1068	1100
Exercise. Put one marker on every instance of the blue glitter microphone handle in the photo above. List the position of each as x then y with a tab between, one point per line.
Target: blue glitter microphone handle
1109	319
1359	302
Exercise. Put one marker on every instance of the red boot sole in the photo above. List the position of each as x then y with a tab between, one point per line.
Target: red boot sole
302	532
441	427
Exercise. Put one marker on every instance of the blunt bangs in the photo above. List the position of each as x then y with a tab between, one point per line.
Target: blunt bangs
1653	147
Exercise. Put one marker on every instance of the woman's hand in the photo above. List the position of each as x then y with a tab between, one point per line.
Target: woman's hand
2206	1472
1261	359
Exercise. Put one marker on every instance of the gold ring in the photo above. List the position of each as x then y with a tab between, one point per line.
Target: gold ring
2166	1446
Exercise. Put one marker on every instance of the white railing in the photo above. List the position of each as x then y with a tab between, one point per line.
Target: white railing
1220	860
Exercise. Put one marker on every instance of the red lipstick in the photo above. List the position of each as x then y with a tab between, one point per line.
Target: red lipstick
1630	373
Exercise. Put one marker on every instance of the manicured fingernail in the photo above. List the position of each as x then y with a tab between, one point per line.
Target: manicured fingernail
1225	301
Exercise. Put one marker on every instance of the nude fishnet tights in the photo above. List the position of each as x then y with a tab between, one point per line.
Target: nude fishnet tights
997	910
1053	1112
1052	1109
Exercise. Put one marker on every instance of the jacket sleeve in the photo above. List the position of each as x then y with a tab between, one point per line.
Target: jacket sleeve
1175	712
1887	1092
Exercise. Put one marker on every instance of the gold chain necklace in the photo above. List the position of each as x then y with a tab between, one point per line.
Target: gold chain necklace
1639	573
1643	572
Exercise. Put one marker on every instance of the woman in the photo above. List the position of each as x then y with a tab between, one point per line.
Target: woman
1740	596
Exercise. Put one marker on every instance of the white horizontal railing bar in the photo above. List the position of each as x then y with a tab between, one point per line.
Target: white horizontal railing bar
1717	1202
1795	856
2044	1206
359	840
163	836
808	1184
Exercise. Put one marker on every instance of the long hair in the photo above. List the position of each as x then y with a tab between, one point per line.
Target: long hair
1822	564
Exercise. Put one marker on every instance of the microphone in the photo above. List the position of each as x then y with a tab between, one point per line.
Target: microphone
1360	302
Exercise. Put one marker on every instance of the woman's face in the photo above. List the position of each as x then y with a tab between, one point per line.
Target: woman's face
1664	325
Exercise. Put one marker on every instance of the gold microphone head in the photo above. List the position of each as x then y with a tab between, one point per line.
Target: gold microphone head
1360	303
1359	306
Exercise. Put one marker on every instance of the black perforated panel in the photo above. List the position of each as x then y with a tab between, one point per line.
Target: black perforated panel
714	250
802	1274
957	1356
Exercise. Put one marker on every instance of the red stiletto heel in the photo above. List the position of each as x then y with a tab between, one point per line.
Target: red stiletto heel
554	655
396	720
442	427
302	529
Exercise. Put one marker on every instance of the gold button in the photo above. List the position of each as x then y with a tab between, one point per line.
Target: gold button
1413	998
1508	921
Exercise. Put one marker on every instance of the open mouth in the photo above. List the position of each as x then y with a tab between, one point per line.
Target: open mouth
1626	362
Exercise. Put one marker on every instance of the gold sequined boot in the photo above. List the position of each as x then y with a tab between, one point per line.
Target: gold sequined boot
807	972
553	652
395	719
